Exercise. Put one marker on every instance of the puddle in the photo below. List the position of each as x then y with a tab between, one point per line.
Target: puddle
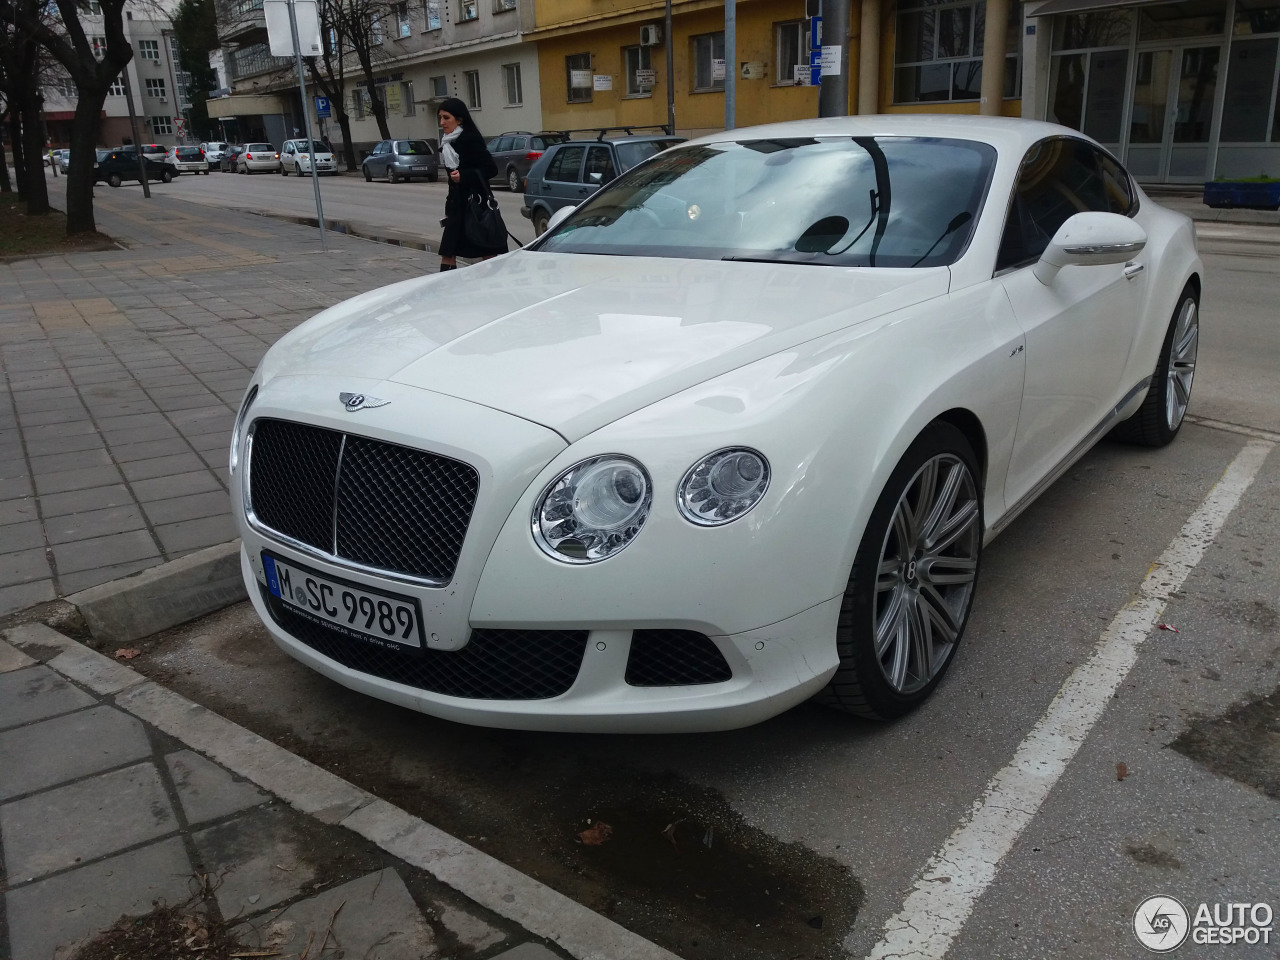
1243	743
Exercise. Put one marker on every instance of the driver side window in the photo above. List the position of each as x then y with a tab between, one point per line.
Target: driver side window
1058	179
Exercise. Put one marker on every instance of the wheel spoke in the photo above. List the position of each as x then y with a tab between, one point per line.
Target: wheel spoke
889	624
899	649
960	523
889	574
921	627
948	571
943	506
937	610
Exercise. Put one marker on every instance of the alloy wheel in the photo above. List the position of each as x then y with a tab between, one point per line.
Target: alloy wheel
1182	363
927	571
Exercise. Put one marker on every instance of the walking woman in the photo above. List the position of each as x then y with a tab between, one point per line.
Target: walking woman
466	158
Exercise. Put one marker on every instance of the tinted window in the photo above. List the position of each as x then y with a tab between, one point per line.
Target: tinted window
565	164
1058	179
260	148
599	160
630	154
506	144
838	201
192	152
541	143
1118	186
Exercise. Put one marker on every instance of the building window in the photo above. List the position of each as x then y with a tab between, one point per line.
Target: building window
403	27
635	59
938	54
499	6
161	126
406	97
375	29
473	89
99	45
155	88
708	62
511	80
577	70
95	8
439	87
361	103
431	13
1086	79
149	50
793	51
468	9
117	88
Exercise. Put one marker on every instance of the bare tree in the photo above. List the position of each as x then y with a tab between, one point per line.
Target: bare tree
363	21
329	71
93	76
20	68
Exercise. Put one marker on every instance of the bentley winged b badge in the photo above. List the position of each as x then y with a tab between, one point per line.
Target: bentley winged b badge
359	401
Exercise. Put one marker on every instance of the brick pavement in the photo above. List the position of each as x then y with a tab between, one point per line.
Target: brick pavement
122	372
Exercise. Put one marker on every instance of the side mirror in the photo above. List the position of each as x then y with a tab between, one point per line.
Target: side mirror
559	217
1090	239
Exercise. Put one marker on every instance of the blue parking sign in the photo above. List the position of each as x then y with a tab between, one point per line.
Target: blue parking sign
322	108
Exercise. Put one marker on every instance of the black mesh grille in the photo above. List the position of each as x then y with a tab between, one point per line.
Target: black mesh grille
674	658
494	665
398	509
292	469
402	509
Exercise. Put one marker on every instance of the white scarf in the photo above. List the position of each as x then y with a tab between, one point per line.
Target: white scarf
447	154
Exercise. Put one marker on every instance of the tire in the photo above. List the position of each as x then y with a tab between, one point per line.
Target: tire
113	179
284	171
540	219
368	177
1162	413
513	180
392	176
911	587
166	176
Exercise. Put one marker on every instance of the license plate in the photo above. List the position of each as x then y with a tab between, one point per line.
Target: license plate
419	169
362	613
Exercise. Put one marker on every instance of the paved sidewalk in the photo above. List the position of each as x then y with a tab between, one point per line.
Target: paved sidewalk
122	372
117	795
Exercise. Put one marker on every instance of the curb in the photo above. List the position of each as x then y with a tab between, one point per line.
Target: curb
358	230
312	790
163	596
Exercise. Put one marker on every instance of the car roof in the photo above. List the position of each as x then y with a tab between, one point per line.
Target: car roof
1004	133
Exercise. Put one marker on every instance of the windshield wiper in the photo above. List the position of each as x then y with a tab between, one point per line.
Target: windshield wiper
803	263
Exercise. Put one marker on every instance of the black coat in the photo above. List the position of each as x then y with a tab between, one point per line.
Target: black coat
475	168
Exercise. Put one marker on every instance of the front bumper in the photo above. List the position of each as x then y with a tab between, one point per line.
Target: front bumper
503	588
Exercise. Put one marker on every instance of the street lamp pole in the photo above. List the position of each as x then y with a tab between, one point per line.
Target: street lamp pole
306	125
133	125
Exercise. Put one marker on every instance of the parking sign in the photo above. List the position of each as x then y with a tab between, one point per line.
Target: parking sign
322	108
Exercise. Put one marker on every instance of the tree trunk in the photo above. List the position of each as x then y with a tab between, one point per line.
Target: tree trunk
348	148
6	185
380	114
19	159
33	149
80	175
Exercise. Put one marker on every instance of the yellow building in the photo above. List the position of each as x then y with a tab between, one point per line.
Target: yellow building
593	56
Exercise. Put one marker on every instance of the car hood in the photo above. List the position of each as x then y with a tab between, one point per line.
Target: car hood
573	342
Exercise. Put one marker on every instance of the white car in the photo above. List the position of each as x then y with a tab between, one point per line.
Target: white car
258	156
730	435
62	158
213	151
187	160
295	157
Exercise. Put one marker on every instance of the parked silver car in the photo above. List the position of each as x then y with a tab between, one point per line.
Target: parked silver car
258	156
402	160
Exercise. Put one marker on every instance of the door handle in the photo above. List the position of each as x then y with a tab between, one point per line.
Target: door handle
1132	269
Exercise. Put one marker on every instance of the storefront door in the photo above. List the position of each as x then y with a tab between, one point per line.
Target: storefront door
1171	120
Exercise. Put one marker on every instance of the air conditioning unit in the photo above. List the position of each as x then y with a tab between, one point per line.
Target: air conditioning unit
650	35
164	99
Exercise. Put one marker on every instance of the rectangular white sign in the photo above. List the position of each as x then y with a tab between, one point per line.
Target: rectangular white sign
578	79
602	81
646	78
717	69
831	60
280	37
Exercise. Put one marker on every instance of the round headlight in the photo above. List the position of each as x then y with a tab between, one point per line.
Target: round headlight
723	486
593	509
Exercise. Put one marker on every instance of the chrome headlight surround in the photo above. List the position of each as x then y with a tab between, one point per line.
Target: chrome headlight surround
593	510
238	430
723	486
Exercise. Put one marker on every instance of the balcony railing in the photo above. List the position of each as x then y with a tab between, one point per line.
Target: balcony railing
255	58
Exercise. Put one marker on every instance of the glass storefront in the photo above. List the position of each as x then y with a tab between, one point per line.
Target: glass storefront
1183	92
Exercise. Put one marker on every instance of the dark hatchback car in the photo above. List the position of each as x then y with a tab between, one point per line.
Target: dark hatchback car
516	152
401	160
227	162
118	166
571	171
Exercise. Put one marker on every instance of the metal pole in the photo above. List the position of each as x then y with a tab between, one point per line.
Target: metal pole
869	59
671	74
730	62
137	140
306	125
833	96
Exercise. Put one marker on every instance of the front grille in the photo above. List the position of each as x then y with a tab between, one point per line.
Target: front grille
674	658
377	504
494	665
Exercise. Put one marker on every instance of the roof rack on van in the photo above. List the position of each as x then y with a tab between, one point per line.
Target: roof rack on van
601	131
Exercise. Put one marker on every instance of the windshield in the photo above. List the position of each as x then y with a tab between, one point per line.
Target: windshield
189	151
838	201
260	147
316	146
412	147
633	153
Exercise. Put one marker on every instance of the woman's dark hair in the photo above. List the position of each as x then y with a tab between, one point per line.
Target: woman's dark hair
460	113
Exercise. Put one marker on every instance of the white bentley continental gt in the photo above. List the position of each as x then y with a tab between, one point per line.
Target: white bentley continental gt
732	434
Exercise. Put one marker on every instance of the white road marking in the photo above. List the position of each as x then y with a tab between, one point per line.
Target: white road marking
942	899
1235	428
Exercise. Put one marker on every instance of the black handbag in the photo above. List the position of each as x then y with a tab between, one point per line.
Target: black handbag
482	222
